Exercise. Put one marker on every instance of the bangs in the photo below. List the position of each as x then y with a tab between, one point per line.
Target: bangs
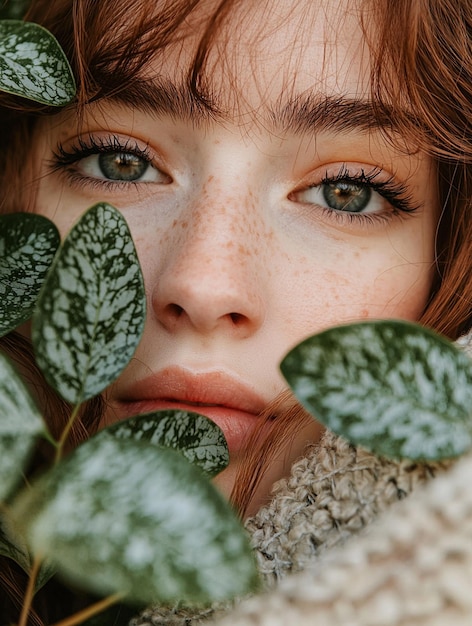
421	80
109	43
427	70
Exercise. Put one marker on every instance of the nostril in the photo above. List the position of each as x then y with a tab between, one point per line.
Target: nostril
175	310
236	318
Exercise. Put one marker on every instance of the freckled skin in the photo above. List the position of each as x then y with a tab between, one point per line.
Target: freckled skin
239	268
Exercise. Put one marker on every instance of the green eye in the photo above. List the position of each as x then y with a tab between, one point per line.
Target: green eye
123	166
345	196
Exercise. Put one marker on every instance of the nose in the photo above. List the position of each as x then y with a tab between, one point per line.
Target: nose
211	277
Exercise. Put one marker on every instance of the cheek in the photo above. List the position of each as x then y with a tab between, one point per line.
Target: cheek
351	285
59	204
403	291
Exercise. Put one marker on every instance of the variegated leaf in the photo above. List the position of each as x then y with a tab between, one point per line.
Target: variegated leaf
13	546
91	310
33	65
119	515
199	439
20	426
394	387
28	244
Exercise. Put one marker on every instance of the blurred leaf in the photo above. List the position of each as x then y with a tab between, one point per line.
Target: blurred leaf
199	439
91	310
13	546
20	426
119	515
28	244
46	572
33	65
396	388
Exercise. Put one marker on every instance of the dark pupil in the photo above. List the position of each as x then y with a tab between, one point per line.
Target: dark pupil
345	196
122	166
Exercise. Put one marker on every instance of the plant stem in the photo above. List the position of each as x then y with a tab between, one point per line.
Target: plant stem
29	591
49	438
93	609
65	433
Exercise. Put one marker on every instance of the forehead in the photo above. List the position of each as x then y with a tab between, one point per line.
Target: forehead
268	53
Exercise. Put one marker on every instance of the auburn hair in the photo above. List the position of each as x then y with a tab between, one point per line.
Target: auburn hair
421	75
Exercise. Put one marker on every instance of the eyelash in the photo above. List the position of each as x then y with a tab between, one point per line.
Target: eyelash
63	159
395	193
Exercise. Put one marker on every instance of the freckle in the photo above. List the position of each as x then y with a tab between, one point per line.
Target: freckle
174	223
184	224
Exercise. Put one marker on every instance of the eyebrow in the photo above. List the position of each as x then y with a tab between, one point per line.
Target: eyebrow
163	97
320	112
302	114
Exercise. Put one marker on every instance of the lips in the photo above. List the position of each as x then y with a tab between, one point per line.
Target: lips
231	404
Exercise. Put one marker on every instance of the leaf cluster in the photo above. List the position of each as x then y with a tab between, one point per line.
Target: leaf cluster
131	512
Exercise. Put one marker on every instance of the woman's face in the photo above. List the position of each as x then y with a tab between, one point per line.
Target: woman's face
286	212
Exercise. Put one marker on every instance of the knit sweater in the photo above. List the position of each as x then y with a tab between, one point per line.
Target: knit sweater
340	544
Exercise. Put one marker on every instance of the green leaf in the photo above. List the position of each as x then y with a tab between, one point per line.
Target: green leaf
119	515
199	439
33	65
20	426
46	572
397	388
28	244
91	310
13	546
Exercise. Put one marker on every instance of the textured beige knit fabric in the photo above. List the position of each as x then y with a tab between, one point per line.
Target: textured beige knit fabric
413	568
335	491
